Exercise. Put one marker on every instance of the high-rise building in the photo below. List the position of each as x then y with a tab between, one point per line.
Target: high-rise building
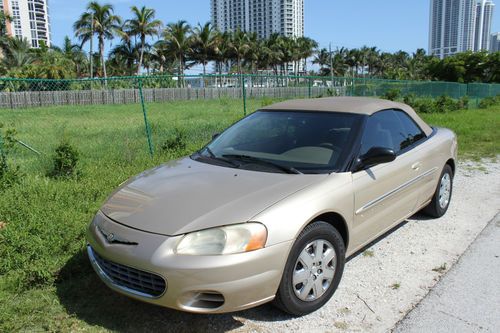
495	42
459	25
30	20
484	17
452	26
264	17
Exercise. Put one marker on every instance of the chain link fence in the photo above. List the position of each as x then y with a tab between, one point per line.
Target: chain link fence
222	99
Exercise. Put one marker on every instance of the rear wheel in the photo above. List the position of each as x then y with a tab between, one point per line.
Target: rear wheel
313	270
441	199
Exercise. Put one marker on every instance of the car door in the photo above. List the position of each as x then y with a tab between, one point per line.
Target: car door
386	193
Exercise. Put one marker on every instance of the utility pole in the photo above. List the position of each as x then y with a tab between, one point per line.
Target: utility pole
91	46
331	64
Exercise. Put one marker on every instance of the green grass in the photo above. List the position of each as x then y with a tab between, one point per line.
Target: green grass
46	282
477	130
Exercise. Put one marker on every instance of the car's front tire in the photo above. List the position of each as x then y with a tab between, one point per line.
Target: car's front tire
313	270
442	196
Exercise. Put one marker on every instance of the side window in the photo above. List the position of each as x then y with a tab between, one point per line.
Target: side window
381	130
390	129
411	132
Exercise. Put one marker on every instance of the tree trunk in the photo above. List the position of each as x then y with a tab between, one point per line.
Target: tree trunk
141	58
204	73
101	51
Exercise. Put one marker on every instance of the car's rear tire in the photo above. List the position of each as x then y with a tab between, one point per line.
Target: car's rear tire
309	280
442	196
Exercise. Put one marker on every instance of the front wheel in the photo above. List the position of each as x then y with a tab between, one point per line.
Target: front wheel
441	199
313	270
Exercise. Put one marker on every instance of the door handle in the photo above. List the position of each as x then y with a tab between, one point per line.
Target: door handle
416	166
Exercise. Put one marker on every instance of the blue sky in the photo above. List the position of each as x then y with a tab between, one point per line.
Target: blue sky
390	25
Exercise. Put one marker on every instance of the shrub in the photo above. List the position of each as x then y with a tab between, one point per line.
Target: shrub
64	161
175	142
9	175
445	103
266	101
463	102
424	105
489	101
392	94
410	99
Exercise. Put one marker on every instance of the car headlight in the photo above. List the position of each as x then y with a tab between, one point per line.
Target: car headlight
230	239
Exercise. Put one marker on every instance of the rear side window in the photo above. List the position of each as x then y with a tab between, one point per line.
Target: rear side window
411	132
390	129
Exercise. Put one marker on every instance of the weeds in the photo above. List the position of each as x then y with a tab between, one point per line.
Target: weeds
440	269
489	102
392	94
175	142
9	175
341	325
64	161
395	286
368	253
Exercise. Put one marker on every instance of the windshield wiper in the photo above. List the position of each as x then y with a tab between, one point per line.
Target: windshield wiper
212	156
254	159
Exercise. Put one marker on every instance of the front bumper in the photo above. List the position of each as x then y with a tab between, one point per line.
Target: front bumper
234	282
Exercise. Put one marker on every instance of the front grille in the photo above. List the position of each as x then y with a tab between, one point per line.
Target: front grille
134	279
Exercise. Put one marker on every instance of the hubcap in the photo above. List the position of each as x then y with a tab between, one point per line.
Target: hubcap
314	270
444	191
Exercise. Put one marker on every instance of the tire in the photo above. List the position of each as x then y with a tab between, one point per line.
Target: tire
439	204
322	278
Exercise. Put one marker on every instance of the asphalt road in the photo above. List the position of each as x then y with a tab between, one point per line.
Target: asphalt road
467	299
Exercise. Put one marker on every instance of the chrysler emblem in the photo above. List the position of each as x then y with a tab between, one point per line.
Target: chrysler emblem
112	238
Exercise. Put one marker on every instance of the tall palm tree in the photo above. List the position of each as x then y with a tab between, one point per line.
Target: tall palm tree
275	54
143	24
322	58
239	46
4	18
98	20
306	47
222	52
204	44
17	53
254	51
178	41
74	53
124	55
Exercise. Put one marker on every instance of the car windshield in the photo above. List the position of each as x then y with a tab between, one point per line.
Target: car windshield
285	141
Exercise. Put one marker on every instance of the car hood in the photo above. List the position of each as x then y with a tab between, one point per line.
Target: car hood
186	195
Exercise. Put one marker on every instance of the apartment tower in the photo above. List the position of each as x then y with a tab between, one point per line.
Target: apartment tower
459	25
264	17
452	26
484	17
495	42
30	20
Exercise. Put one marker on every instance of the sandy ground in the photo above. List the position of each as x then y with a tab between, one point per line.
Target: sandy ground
381	285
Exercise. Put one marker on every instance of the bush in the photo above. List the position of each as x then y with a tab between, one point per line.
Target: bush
392	94
175	142
424	105
9	175
463	102
64	161
445	103
489	101
266	101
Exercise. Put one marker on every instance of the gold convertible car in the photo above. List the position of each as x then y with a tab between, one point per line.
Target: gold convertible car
271	208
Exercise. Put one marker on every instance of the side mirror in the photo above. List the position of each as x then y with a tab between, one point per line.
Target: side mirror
215	135
375	156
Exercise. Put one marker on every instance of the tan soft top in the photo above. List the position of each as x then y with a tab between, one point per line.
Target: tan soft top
359	105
